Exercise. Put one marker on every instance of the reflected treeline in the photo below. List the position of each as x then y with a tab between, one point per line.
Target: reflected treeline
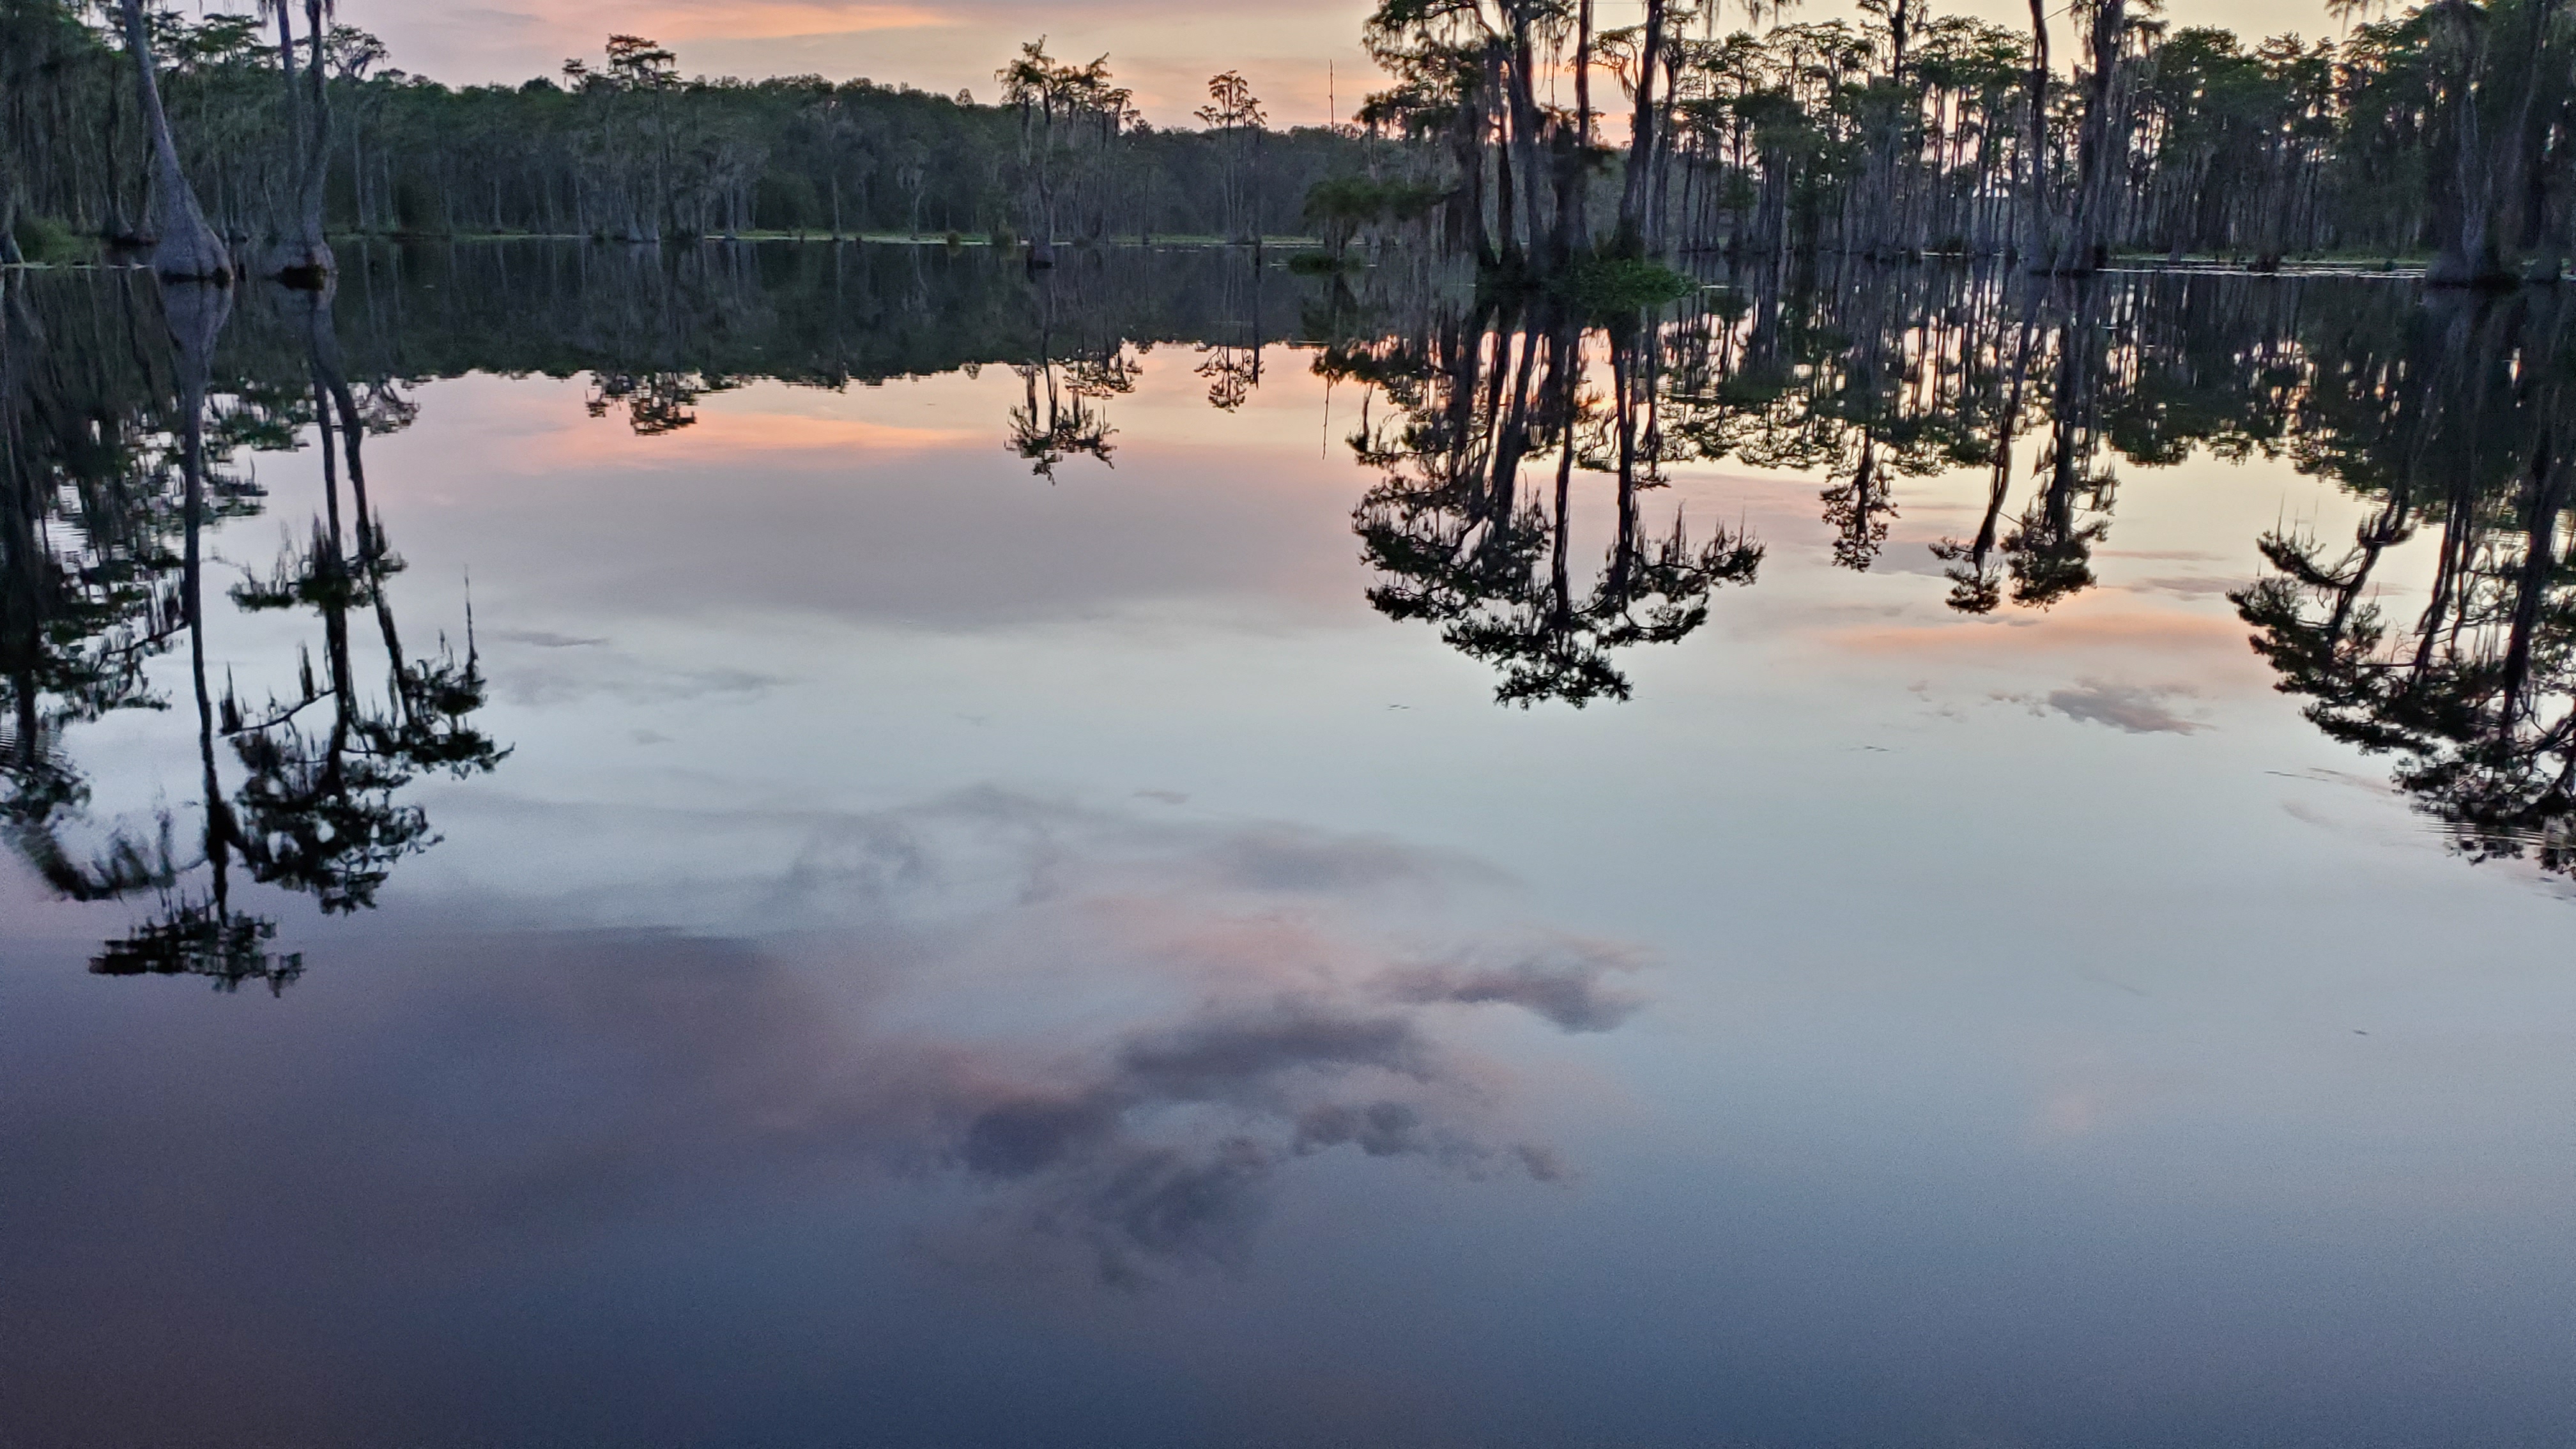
657	328
1870	376
1517	447
128	408
1487	421
1082	361
2447	411
1488	416
1518	453
2453	419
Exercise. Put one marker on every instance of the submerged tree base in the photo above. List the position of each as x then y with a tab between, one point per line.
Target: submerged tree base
1323	264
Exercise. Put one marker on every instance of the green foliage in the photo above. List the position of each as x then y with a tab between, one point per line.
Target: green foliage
624	145
2445	128
1362	200
48	242
2442	129
1618	286
1343	208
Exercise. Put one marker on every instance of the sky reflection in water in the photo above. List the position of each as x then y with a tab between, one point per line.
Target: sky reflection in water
954	956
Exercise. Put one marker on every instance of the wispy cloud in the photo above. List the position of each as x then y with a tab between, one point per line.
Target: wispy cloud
676	20
1569	981
2191	586
489	17
2135	709
1164	49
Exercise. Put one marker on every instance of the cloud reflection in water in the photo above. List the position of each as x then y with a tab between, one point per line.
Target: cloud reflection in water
1117	1034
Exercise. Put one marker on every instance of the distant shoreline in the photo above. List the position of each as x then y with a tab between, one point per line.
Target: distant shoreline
2410	268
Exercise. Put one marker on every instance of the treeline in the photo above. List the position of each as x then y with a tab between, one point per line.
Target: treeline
2443	130
625	148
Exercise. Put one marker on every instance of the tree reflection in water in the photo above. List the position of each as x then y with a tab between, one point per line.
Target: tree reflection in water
2458	429
1861	374
2447	412
1060	417
319	811
93	589
1493	430
1459	539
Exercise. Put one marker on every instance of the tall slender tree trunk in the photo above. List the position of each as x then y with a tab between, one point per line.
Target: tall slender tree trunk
1659	168
184	247
1525	122
1465	212
195	310
1506	218
1579	203
302	257
1635	191
1042	228
2101	144
2039	227
2548	488
308	257
2470	229
9	214
358	177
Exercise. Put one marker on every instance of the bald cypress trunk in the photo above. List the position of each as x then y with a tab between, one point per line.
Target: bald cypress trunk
1636	190
1522	150
1506	216
2473	202
306	258
2038	227
2101	144
2548	495
1574	162
183	245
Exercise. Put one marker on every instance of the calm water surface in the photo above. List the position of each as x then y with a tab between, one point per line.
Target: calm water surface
843	846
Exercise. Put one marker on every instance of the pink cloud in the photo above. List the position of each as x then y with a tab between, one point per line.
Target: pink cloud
718	437
1163	49
685	21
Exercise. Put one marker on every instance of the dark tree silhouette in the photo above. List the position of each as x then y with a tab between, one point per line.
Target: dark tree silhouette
2464	440
319	811
116	443
1458	539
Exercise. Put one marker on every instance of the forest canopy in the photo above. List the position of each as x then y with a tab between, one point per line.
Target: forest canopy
619	145
2442	131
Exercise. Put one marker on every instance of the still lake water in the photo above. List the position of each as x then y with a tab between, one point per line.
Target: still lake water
1009	862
